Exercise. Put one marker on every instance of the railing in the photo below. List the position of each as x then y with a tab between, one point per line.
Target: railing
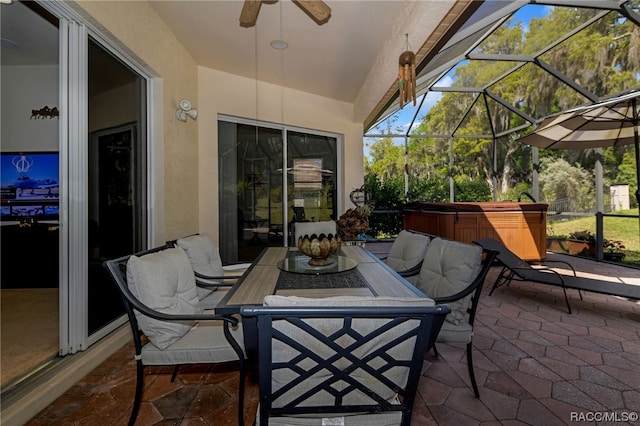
600	231
574	207
387	222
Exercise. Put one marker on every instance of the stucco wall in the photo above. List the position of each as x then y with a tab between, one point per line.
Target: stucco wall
228	94
141	31
188	180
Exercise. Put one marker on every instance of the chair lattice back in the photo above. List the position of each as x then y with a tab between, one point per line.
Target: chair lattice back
336	361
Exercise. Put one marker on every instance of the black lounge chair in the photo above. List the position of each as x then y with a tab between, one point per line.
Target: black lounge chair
517	269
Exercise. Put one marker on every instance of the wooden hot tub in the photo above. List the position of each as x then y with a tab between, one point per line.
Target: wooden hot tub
522	227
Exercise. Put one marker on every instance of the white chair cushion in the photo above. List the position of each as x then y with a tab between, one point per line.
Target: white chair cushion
407	250
283	352
308	228
448	268
164	281
204	257
203	343
460	333
203	254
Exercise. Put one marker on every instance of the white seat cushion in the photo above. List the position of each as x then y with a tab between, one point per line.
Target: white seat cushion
203	343
164	282
460	333
407	250
448	268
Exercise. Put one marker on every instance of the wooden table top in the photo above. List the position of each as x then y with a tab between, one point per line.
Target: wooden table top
262	278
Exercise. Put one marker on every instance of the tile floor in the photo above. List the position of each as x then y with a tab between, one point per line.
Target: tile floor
535	365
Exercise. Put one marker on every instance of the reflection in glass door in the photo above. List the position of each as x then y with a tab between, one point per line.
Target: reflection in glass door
117	170
259	199
311	177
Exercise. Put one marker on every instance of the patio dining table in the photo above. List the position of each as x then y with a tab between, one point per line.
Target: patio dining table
282	271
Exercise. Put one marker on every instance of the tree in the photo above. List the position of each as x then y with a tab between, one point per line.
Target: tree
627	173
604	57
559	180
388	159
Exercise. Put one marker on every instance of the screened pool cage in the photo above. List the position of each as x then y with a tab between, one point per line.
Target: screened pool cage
509	66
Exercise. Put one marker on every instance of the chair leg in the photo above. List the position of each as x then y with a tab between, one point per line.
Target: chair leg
175	373
504	278
241	393
435	351
138	394
472	375
238	351
566	299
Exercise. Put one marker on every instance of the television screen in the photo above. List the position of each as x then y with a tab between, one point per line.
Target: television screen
29	185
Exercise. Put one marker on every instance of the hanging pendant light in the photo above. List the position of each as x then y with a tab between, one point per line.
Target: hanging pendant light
407	75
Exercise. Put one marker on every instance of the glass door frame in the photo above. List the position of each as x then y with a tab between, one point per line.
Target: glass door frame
73	132
285	129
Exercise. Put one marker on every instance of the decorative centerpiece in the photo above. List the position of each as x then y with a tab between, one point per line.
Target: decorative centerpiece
319	247
354	222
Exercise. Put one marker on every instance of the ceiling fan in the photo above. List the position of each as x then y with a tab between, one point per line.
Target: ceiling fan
316	9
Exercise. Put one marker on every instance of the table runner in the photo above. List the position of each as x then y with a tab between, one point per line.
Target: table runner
348	279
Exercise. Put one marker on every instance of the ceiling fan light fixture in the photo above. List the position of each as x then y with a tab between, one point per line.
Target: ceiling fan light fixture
316	9
279	44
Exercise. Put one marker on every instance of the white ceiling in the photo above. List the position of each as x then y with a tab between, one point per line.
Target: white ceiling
357	48
330	60
353	57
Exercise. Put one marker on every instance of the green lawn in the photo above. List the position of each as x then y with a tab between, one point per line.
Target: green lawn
624	229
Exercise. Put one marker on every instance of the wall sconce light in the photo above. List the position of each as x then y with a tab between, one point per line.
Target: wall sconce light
186	109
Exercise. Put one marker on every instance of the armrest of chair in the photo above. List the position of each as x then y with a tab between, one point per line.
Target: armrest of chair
562	262
543	269
202	281
117	270
411	271
215	277
135	303
235	265
232	273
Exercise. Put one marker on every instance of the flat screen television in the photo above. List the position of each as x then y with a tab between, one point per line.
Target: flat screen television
29	186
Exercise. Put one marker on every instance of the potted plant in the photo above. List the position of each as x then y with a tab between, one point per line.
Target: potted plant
557	243
613	250
582	243
353	223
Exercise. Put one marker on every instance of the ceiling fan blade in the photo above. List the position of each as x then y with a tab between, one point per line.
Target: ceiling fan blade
249	14
316	9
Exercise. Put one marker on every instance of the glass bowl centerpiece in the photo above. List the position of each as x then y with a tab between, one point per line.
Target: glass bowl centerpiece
319	247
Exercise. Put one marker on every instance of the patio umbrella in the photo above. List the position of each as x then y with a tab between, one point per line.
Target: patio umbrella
613	122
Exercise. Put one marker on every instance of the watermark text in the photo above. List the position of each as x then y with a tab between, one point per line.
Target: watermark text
604	416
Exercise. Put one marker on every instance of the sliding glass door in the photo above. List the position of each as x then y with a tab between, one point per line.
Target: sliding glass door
74	181
260	199
30	190
116	176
